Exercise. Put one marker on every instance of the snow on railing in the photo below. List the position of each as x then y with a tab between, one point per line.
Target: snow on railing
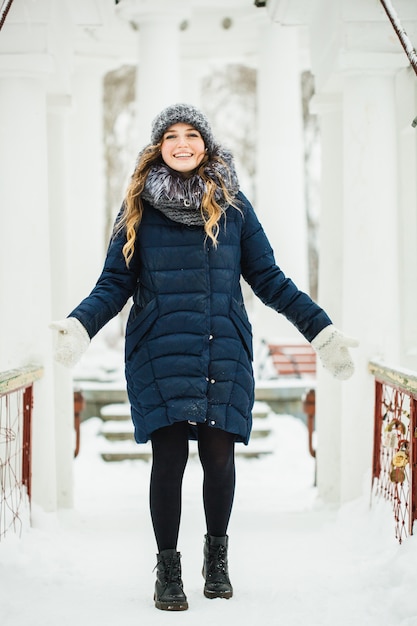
16	401
395	443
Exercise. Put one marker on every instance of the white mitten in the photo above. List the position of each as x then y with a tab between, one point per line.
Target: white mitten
332	347
70	342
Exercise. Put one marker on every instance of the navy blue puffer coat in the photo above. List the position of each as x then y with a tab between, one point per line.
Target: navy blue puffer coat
188	338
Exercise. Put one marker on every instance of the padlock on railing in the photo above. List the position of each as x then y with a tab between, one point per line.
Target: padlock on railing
392	432
399	462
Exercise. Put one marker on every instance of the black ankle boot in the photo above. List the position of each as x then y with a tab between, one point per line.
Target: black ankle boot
215	568
169	594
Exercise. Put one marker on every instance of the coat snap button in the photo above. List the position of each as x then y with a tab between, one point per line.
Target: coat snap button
212	381
210	337
212	422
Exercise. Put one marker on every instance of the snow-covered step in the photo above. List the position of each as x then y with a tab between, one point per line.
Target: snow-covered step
118	430
117	452
122	430
260	429
118	411
140	454
260	409
119	444
121	410
127	449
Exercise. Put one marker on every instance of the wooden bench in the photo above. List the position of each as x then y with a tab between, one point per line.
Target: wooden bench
296	360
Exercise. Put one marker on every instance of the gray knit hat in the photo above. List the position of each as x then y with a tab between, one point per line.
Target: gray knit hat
187	114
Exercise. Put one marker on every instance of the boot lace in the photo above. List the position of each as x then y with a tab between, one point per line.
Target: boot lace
218	561
172	569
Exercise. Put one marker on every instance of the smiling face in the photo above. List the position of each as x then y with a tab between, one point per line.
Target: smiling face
182	148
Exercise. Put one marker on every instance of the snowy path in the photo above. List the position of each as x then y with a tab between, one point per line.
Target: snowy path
292	561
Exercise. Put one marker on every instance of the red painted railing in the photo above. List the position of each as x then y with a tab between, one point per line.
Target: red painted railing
395	444
16	402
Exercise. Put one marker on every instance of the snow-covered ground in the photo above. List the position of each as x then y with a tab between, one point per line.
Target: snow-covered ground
293	561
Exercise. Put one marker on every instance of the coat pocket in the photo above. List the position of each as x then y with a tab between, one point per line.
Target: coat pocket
138	326
243	326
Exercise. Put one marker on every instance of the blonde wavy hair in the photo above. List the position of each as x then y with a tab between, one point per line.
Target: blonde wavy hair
131	216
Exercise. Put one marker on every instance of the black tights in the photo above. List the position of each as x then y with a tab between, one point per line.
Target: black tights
170	455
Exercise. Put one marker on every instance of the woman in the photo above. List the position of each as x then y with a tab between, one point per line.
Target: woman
182	240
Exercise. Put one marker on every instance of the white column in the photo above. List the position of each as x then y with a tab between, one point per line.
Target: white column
75	178
280	201
358	279
370	258
406	94
159	79
58	167
329	391
24	249
86	193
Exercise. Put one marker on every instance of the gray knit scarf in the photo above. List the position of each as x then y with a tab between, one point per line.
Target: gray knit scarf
180	198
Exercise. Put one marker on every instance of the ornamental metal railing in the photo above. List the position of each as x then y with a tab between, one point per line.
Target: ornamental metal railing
16	403
395	444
